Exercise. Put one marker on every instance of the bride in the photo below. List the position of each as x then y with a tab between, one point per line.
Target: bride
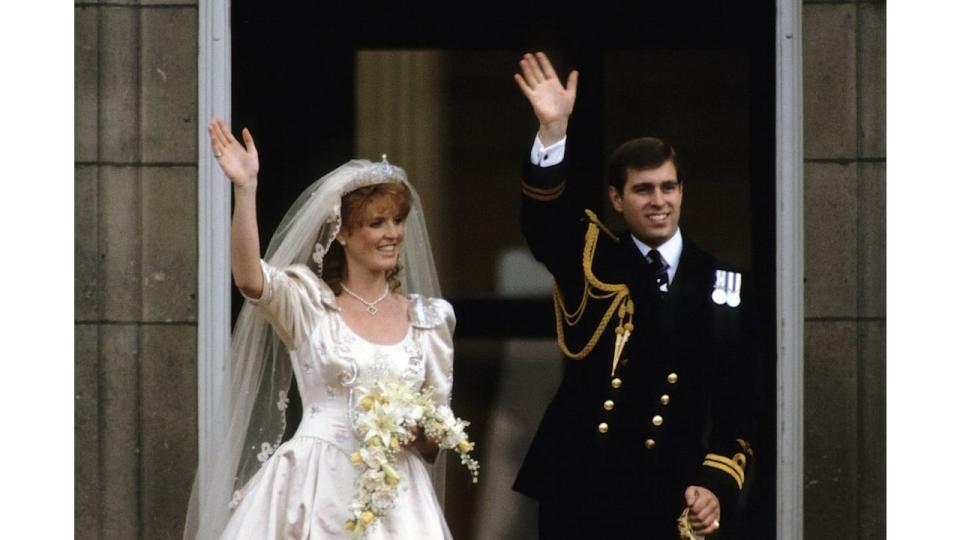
329	287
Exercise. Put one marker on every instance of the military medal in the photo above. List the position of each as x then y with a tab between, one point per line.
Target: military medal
720	288
726	288
733	297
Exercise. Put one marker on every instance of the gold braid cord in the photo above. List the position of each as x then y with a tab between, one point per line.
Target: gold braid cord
617	294
684	527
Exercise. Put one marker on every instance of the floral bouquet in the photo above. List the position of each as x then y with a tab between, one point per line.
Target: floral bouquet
386	414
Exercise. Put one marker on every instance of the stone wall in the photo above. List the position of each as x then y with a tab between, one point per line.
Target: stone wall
135	266
844	79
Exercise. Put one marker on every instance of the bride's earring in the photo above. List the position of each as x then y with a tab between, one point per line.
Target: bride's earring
342	240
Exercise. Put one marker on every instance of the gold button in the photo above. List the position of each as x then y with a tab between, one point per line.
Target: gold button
665	399
650	443
672	378
657	420
616	383
608	405
603	427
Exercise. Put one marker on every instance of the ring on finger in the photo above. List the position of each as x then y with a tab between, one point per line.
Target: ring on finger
716	524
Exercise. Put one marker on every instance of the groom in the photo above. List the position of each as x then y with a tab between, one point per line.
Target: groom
653	419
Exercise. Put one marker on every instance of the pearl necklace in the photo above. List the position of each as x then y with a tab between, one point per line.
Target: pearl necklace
371	306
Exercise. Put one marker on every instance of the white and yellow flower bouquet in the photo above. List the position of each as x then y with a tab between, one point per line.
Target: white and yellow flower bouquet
386	416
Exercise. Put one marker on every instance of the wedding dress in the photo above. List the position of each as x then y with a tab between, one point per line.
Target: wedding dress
305	485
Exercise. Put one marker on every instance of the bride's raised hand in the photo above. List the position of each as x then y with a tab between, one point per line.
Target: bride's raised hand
239	162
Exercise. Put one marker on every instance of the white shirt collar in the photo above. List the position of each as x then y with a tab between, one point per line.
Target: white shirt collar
669	250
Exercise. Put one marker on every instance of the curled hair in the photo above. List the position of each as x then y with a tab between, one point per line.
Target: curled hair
639	154
353	208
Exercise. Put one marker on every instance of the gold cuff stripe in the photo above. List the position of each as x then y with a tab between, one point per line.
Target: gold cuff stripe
732	462
544	191
736	463
725	469
541	198
733	471
732	466
544	195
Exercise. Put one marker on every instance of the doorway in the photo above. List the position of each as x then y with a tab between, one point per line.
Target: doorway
438	97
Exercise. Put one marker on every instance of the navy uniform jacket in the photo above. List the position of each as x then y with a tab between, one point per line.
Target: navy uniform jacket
622	442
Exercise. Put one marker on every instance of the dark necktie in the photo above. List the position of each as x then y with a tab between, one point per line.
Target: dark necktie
659	270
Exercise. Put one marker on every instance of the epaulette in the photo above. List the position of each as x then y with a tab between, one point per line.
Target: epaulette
592	218
618	294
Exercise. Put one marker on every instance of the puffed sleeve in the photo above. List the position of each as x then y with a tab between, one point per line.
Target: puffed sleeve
290	301
438	349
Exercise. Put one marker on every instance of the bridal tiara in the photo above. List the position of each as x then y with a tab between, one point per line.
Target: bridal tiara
372	173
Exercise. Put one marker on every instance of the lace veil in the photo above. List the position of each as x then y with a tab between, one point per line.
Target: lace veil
260	367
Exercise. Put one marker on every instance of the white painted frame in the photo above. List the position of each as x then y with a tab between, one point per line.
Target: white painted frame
213	306
790	265
213	234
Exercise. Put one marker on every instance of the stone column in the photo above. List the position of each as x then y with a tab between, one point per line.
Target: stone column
845	206
135	266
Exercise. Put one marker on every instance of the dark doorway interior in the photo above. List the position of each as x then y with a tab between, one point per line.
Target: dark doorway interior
294	87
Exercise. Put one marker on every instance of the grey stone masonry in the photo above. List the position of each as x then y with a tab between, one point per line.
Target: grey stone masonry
86	79
830	453
169	244
118	84
830	80
871	240
86	298
844	79
119	241
871	472
830	206
86	424
135	276
168	79
872	79
168	426
119	430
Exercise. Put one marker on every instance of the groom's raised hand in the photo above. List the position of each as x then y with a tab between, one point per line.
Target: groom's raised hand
552	102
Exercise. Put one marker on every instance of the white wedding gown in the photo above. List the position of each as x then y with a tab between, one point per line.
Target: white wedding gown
303	490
